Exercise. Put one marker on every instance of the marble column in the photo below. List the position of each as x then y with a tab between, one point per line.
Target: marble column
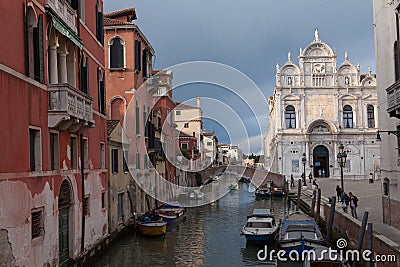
53	64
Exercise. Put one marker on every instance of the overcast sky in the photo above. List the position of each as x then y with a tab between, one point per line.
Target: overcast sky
250	36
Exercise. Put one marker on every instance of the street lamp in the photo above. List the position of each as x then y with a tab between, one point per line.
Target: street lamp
378	136
303	160
341	159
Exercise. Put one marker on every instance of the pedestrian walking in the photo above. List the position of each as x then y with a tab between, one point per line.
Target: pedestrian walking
292	181
345	201
353	205
315	183
339	193
310	177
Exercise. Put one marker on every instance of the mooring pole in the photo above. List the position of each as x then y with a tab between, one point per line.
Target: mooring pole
314	198
316	215
330	221
298	195
369	244
361	235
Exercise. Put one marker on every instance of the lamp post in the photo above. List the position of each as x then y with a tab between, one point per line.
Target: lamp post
303	160
341	159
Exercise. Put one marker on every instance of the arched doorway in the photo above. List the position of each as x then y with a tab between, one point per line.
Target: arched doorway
321	161
64	203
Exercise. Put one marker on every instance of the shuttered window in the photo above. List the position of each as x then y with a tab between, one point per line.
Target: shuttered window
84	75
114	158
117	53
144	63
137	55
102	92
99	24
38	47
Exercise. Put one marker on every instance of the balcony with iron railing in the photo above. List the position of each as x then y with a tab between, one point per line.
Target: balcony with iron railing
393	97
64	10
69	108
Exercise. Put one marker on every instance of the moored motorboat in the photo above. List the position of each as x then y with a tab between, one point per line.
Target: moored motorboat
152	228
171	212
263	192
299	232
260	226
277	192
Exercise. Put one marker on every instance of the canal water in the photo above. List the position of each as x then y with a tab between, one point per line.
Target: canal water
210	236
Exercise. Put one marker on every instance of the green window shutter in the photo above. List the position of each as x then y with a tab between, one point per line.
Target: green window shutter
39	50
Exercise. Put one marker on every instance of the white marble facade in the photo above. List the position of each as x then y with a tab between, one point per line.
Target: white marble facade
315	107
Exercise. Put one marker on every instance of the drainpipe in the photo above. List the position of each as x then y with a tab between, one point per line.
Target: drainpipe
83	193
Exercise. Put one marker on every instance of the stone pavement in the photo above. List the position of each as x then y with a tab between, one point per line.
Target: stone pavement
370	199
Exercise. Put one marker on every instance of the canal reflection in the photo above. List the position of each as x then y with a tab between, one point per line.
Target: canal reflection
210	236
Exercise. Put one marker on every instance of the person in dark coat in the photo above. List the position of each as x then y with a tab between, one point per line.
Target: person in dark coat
339	193
345	201
353	204
292	181
315	183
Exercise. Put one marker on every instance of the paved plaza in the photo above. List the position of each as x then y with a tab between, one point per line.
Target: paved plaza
370	199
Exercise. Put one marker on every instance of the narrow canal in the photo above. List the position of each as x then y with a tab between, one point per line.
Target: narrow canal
210	236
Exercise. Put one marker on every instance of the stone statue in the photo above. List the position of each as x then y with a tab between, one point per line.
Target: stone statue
346	55
316	34
277	68
289	56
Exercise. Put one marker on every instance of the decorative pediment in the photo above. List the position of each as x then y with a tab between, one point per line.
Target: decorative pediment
318	49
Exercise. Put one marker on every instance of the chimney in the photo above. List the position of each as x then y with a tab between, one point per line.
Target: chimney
198	101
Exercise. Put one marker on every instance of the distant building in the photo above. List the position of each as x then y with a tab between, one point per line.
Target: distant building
119	205
164	121
387	49
229	154
53	169
209	152
129	57
316	106
189	120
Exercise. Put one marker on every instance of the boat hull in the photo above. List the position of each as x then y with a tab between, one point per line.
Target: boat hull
298	245
172	218
152	229
269	238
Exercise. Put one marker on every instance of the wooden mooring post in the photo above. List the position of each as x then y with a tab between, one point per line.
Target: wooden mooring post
368	245
330	221
298	195
314	198
317	213
361	235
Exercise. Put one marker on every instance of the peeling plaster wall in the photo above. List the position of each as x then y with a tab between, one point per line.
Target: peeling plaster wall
6	255
96	222
15	217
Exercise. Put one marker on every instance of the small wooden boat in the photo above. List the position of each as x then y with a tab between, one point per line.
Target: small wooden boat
172	212
323	259
260	226
299	232
243	179
277	192
152	228
263	192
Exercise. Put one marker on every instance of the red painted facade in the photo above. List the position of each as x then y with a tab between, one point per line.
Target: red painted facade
50	106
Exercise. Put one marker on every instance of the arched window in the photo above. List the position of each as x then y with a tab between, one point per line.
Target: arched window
290	116
371	116
116	49
117	109
347	116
